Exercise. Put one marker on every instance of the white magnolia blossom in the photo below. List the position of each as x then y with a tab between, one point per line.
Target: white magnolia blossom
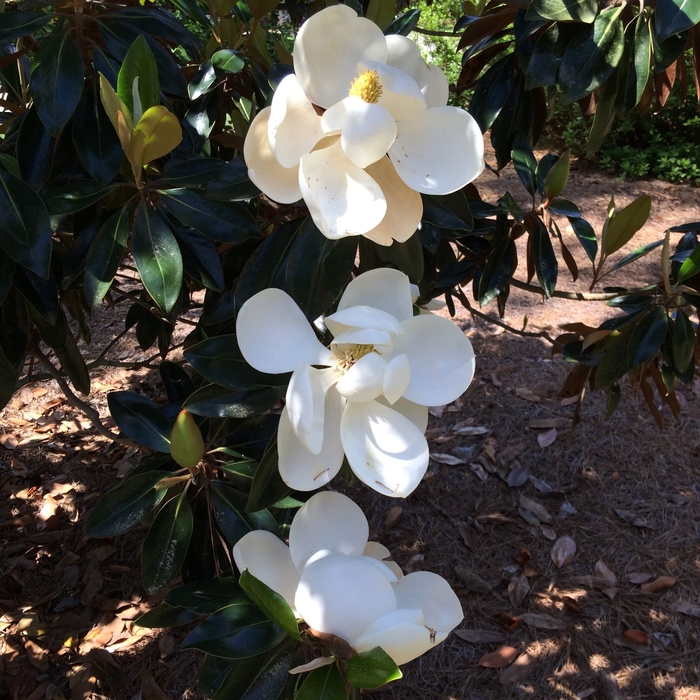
366	396
360	130
341	584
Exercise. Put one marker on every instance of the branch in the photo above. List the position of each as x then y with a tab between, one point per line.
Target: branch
576	296
73	400
435	32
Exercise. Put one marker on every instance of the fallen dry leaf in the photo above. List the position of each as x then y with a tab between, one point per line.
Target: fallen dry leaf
518	588
638	578
150	689
510	622
392	517
166	645
495	380
685	608
48	507
524	556
543	621
563	551
610	687
571	604
436	411
495	519
500	658
538	510
468	535
480	636
442	458
37	656
547	438
470	430
659	584
632	518
472	580
518	475
605	579
519	670
623	641
637	636
9	441
528	395
548	423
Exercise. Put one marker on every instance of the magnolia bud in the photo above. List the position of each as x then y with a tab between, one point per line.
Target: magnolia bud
186	444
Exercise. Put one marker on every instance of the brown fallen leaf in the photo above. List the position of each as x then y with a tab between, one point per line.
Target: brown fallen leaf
9	441
638	578
518	588
548	423
37	656
605	579
450	460
524	556
685	608
543	621
537	509
623	641
472	580
609	686
392	517
510	622
519	670
468	535
502	657
547	438
166	645
659	584
563	551
637	636
480	636
518	475
571	604
495	519
523	393
632	518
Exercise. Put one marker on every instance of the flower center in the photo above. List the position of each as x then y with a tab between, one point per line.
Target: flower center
367	86
348	355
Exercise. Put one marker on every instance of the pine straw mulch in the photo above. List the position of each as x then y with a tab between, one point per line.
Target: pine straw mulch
623	491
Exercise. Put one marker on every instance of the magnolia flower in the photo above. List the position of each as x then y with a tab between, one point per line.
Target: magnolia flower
340	584
360	130
367	395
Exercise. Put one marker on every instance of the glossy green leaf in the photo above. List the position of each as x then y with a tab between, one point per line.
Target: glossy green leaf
215	401
625	223
324	683
667	52
140	419
543	167
202	81
675	16
372	668
563	10
683	341
235	632
193	171
267	487
591	57
381	12
636	254
10	164
564	207
104	256
492	92
227	61
211	675
156	21
57	80
690	266
25	230
586	236
604	115
232	183
498	270
75	196
166	544
164	615
202	562
258	678
126	504
525	164
647	336
157	257
271	603
613	399
35	150
219	359
635	65
200	257
615	362
546	55
555	181
206	597
227	222
14	328
138	85
404	24
407	256
16	24
546	265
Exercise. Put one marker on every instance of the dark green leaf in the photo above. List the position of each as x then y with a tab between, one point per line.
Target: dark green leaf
318	269
683	341
635	65
200	257
624	224
690	266
232	183
324	683
227	61
211	675
592	55
16	24
404	24
227	222
604	114
202	561
492	91
563	10
155	21
558	174
586	236
57	80
213	401
543	167
675	16
257	678
613	399
165	615
166	544
647	337
666	52
407	256
545	59
157	257
25	231
563	207
138	85
126	504
636	254
525	164
206	597
614	364
35	149
235	632
193	171
202	81
105	255
178	385
497	270
14	328
439	215
370	669
546	265
10	164
271	603
140	419
267	487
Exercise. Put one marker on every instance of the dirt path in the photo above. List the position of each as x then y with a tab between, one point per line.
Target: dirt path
624	492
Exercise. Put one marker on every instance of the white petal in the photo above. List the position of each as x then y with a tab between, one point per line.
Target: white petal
440	377
401	96
365	336
318	662
434	596
328	48
294	128
301	469
328	520
376	550
404	206
267	558
306	398
384	569
364	380
437	89
343	595
368	132
342	198
397	376
395	568
400	633
274	335
405	55
438	151
417	414
383	288
278	183
362	317
385	449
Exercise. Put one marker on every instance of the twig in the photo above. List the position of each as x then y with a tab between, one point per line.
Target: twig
73	400
435	32
576	296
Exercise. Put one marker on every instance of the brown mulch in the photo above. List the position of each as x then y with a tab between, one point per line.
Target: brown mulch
625	492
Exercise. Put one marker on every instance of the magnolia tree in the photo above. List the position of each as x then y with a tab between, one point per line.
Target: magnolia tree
293	174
